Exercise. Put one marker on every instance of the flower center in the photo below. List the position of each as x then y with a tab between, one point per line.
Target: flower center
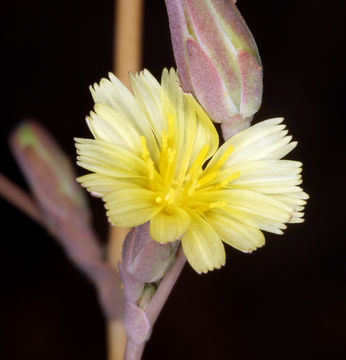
183	185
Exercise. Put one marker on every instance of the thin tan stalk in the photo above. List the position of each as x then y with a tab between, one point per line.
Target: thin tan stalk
126	58
116	339
128	38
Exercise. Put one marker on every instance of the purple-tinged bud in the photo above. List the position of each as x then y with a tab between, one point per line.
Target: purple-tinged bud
217	60
50	175
145	259
52	179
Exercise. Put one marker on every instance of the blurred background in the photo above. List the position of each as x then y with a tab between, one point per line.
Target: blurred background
287	299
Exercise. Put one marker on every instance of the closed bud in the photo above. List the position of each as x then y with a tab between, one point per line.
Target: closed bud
144	262
217	60
50	175
145	259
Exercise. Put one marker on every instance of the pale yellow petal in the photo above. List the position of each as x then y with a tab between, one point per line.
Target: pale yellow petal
296	200
191	125
179	123
258	221
131	207
116	95
278	179
113	127
266	140
169	227
252	208
146	90
267	176
205	130
245	200
171	100
101	185
109	159
258	204
202	246
234	232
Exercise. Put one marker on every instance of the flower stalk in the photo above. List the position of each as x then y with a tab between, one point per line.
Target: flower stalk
147	285
127	49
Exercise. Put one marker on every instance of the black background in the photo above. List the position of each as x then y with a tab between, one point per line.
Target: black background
287	299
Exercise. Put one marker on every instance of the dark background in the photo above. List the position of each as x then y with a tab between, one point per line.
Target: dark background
287	299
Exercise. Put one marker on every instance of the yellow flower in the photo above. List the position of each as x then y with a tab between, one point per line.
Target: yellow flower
149	162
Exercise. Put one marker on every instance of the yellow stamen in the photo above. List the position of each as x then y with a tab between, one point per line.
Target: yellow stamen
170	197
192	186
197	164
222	159
217	204
229	178
145	150
158	199
171	123
208	178
218	185
164	146
147	159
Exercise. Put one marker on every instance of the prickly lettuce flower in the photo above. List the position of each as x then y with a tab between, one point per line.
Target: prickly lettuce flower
155	158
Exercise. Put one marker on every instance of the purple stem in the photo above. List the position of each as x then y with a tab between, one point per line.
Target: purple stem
166	285
134	351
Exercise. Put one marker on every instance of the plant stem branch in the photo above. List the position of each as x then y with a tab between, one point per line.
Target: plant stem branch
127	50
128	38
134	351
116	339
166	285
20	199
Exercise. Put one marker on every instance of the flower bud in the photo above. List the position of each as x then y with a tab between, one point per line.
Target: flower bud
217	60
50	175
145	259
52	179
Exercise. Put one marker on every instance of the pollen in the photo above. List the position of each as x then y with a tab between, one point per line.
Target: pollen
158	199
147	159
